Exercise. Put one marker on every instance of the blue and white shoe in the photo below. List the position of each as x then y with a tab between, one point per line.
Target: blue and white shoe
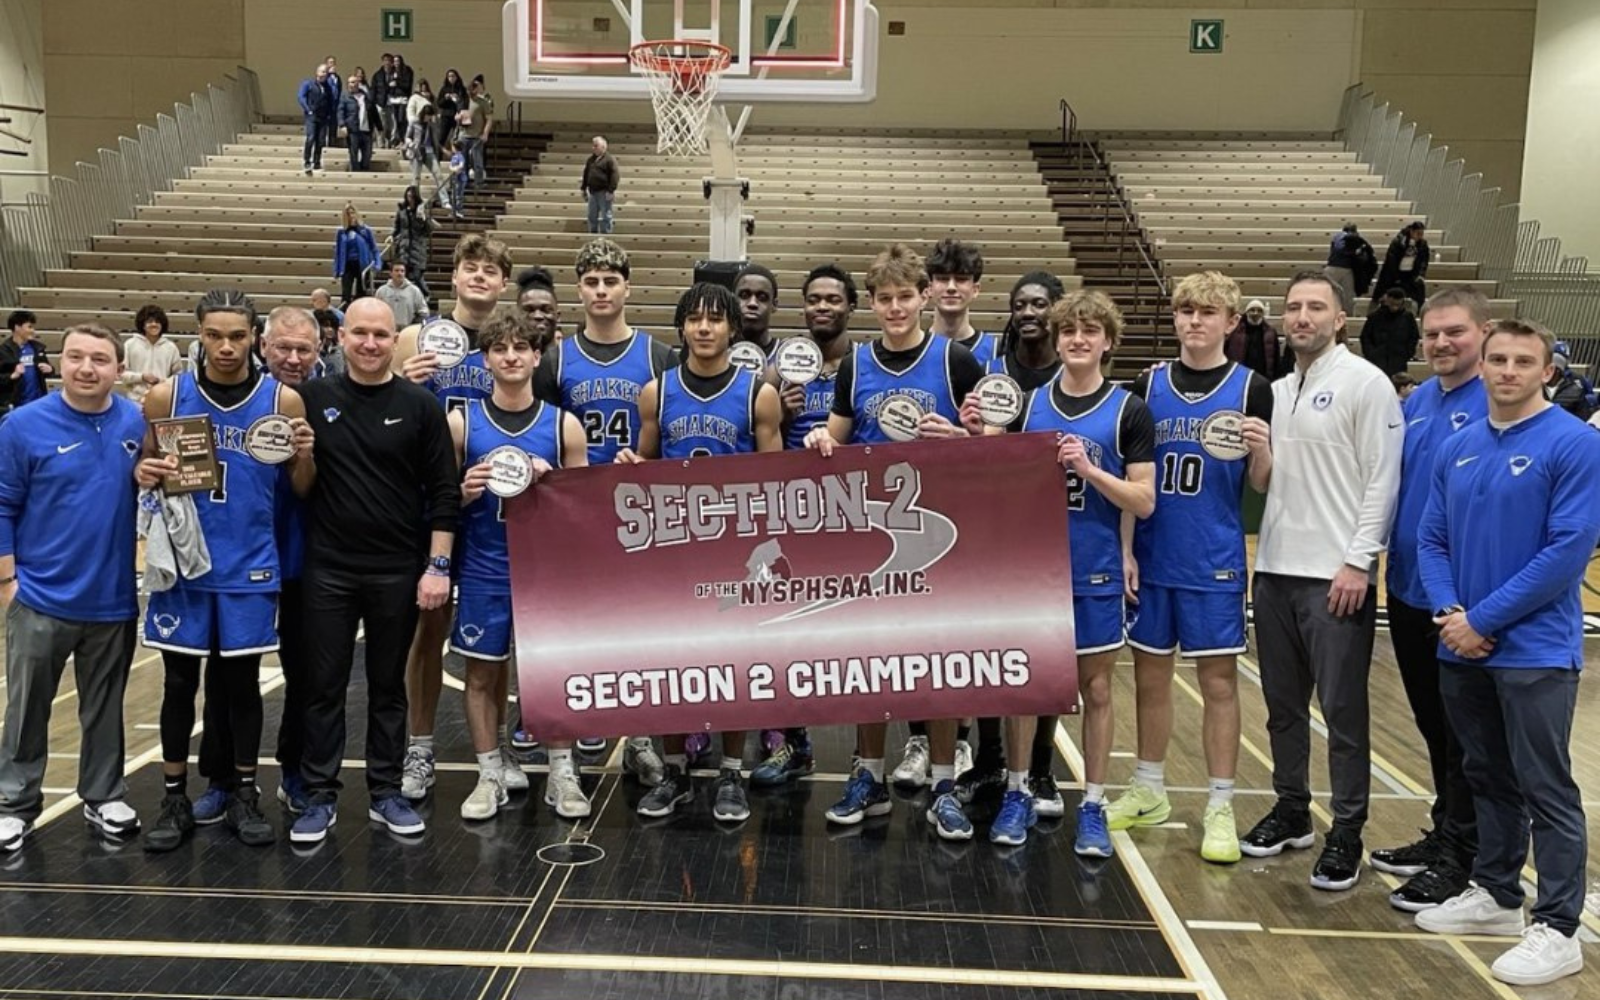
314	824
949	819
864	796
396	813
292	791
1017	816
1094	838
211	807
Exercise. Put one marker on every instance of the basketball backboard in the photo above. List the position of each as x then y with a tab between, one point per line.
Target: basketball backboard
782	50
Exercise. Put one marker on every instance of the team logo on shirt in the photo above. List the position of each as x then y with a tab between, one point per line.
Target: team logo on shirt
471	635
1459	420
330	414
1322	400
1520	464
130	446
166	624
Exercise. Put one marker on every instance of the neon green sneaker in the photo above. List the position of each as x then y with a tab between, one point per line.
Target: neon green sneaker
1140	805
1220	845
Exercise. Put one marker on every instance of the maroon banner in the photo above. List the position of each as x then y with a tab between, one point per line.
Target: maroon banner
928	580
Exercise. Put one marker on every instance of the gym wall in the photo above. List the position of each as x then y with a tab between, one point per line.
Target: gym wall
1558	184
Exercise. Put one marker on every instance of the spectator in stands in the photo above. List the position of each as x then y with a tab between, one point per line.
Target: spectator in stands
1257	345
1405	265
422	150
1404	384
1566	388
452	98
410	240
328	349
335	88
457	180
380	91
1351	264
320	299
421	99
599	184
400	80
318	108
476	121
403	297
358	116
152	356
23	364
1390	336
355	253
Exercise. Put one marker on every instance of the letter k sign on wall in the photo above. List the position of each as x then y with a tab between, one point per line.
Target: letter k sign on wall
1205	36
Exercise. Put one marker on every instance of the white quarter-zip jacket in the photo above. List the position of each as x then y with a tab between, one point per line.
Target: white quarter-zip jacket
1337	436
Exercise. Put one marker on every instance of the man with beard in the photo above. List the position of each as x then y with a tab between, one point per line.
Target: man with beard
828	297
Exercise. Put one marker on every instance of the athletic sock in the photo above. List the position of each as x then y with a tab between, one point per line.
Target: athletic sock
735	764
425	742
943	772
873	766
490	762
677	760
1016	781
243	780
174	783
1221	792
1151	774
560	755
1094	793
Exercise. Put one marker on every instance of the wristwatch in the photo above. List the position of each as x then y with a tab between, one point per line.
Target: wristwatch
1446	612
439	565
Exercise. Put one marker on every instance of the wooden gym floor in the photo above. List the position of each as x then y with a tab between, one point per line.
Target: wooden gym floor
528	905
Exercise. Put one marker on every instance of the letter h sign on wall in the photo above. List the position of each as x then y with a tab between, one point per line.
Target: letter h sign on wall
1205	36
397	25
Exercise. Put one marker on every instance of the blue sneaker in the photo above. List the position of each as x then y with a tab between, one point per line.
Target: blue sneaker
314	824
1094	839
864	796
523	741
948	818
292	791
1017	815
211	807
396	813
783	765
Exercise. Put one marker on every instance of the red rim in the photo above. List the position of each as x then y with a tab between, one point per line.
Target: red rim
714	59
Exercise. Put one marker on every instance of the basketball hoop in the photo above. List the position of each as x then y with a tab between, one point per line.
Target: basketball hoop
683	76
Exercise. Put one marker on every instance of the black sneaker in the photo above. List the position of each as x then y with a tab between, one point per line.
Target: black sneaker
173	826
1340	864
1412	859
1282	827
983	781
1442	880
244	818
664	798
1046	796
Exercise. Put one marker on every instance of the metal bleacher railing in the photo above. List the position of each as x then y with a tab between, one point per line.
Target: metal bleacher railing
1549	287
43	232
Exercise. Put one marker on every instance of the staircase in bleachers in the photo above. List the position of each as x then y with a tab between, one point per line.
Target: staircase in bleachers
1261	209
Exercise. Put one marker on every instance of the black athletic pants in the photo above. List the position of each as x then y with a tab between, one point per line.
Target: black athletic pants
1416	648
352	283
337	603
233	685
216	738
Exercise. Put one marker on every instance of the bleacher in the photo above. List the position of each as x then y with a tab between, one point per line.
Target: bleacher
1261	209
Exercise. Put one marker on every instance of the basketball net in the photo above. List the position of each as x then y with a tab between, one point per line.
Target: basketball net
683	77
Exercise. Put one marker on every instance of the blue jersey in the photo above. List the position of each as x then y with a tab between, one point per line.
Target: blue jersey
67	507
605	395
1512	519
485	558
818	404
985	347
1432	414
466	381
723	424
1195	538
239	517
31	385
1095	524
926	382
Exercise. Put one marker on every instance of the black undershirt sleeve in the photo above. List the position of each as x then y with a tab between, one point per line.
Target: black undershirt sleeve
964	372
1140	386
545	386
1258	398
662	356
437	466
844	387
1138	430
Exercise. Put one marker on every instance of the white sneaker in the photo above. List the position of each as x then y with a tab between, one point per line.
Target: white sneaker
13	831
563	792
114	818
1472	912
1543	956
416	774
512	777
963	757
639	757
487	797
915	764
